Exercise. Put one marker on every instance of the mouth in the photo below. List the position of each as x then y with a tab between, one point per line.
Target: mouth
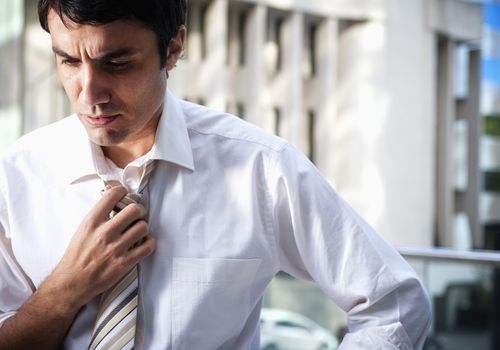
100	120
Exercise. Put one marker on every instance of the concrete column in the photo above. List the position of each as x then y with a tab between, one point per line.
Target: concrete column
325	92
195	40
181	76
445	191
255	72
293	125
214	74
475	127
361	114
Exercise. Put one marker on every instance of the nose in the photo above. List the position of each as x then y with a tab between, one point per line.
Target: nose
94	88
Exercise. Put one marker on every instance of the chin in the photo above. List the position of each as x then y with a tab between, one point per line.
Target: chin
106	137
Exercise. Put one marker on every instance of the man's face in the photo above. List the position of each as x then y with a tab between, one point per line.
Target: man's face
112	76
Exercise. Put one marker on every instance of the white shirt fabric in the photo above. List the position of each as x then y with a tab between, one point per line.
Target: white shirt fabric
230	206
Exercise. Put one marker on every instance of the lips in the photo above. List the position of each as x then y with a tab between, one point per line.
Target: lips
100	120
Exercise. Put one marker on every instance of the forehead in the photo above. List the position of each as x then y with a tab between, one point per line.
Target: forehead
117	34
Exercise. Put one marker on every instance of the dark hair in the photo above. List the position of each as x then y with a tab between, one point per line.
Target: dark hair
164	17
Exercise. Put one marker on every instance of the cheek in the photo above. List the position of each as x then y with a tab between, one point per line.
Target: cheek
153	80
70	85
148	92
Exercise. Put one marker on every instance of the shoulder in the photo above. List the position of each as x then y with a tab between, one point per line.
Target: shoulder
206	123
231	141
53	138
45	155
32	154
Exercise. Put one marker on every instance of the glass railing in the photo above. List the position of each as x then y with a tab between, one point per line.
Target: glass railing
464	287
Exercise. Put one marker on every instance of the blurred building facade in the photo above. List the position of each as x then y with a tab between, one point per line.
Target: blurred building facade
369	89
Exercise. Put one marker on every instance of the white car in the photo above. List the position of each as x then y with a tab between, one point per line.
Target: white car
287	330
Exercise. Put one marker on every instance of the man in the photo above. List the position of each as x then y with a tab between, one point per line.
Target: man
219	208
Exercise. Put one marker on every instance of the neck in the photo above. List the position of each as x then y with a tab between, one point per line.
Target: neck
125	153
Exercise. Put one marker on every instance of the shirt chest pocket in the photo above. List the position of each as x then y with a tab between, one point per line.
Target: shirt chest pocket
210	300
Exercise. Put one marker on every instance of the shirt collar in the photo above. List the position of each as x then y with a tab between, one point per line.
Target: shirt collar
172	144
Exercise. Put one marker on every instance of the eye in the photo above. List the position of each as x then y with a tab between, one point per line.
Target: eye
117	65
69	62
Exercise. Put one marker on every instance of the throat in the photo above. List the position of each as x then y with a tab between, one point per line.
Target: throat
122	155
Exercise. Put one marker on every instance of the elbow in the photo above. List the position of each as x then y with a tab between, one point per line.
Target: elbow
417	314
426	306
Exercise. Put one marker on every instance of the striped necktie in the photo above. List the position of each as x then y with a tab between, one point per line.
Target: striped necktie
115	325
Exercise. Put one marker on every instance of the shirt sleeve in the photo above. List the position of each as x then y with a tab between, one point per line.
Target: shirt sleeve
15	287
321	238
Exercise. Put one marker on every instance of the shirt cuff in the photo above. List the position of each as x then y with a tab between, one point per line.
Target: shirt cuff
389	337
5	316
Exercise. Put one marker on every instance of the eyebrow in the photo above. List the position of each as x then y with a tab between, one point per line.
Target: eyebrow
126	51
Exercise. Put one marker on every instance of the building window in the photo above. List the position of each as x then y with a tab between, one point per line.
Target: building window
274	39
240	110
237	40
277	121
203	30
313	29
242	22
279	43
311	119
309	63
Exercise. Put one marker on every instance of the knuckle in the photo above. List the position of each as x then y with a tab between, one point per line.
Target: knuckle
122	263
103	238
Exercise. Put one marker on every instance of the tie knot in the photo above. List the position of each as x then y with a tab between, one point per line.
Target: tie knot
129	198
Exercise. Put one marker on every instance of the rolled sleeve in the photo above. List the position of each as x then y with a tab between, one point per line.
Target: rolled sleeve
322	239
371	327
389	337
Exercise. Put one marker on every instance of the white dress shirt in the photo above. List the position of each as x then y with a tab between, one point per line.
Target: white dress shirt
230	206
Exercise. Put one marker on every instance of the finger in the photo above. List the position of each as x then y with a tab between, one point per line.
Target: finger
107	202
127	217
132	256
133	236
142	250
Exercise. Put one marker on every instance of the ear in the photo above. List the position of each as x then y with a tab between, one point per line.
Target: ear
175	47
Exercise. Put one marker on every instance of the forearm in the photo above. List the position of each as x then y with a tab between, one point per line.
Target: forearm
99	254
42	322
